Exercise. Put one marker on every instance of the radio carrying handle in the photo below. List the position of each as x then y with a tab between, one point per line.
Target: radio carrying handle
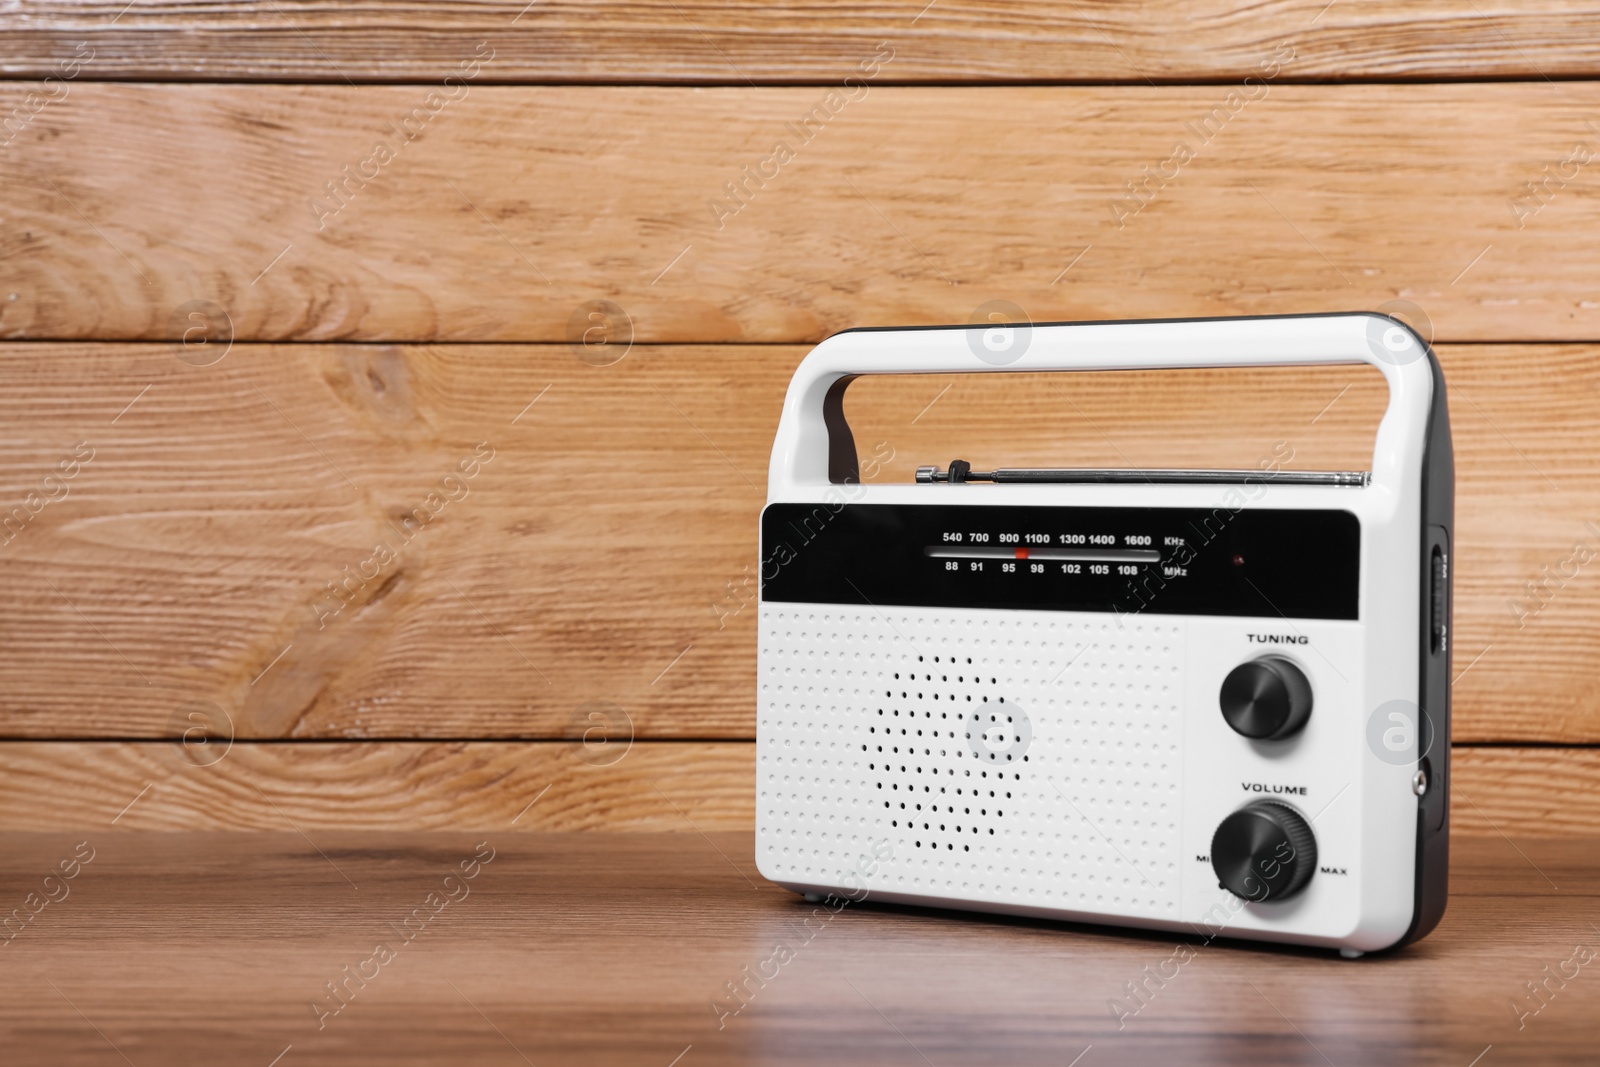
814	446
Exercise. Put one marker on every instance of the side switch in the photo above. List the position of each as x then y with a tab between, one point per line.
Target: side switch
1439	625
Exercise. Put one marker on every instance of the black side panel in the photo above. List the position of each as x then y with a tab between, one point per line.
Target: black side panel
1438	570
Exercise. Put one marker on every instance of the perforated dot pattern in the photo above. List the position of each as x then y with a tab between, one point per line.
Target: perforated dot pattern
864	736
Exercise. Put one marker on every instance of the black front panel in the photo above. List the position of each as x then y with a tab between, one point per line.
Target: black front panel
1178	561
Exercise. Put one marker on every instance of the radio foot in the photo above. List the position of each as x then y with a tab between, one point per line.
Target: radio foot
1351	953
812	898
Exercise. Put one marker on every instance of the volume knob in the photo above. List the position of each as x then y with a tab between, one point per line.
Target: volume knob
1266	699
1264	851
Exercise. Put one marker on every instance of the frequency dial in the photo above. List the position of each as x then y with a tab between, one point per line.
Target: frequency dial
1264	851
1266	699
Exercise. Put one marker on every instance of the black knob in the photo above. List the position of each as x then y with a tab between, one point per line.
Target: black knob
1267	699
1264	851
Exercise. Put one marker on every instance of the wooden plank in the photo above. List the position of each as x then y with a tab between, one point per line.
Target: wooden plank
574	574
710	43
1535	792
652	786
600	562
581	949
128	207
378	785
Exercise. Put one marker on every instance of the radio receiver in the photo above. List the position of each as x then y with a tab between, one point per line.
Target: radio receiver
1212	701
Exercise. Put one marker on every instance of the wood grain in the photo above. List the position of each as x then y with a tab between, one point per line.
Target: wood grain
514	208
602	950
1539	792
710	43
610	786
506	787
599	563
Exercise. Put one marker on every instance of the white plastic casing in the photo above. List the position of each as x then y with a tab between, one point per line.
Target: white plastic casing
1131	765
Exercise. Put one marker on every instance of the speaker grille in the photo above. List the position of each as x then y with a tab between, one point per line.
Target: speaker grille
1010	757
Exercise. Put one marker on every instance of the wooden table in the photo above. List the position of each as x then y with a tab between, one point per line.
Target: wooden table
190	948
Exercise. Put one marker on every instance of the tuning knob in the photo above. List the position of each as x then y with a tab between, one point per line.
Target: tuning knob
1264	851
1266	699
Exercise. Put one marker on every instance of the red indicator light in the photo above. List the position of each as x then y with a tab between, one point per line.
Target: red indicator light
1022	553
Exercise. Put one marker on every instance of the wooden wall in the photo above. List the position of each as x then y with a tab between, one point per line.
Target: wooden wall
281	283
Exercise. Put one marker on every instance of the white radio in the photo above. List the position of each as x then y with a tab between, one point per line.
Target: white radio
1195	700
